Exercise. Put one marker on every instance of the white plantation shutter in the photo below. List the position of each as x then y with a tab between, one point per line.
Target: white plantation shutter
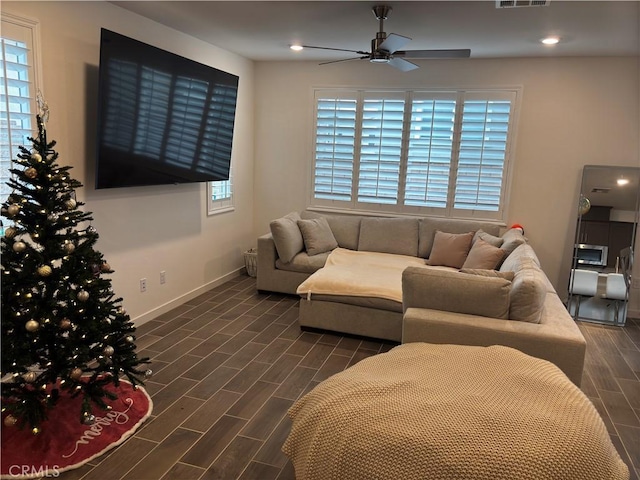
443	153
430	151
17	91
334	147
482	152
380	150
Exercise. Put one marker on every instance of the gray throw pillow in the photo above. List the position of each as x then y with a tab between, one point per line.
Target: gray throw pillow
487	237
287	237
317	235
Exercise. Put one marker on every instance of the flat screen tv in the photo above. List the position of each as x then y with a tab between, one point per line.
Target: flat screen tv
162	118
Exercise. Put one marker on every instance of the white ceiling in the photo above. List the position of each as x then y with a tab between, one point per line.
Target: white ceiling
263	30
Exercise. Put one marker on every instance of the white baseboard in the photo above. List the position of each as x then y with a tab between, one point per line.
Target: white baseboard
151	314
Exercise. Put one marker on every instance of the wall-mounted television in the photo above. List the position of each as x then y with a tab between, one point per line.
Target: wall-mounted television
162	118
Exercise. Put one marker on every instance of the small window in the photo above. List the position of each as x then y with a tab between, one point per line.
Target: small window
220	197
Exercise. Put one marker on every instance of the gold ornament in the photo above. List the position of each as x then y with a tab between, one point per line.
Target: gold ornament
108	350
45	270
76	373
129	339
70	204
32	325
10	232
10	421
35	430
83	295
36	157
105	267
65	324
69	247
31	172
121	311
30	377
19	247
13	209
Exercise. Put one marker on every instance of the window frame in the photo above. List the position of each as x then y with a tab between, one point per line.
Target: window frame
513	93
27	30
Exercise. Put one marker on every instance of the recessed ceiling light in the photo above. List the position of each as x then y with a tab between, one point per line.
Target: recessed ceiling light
550	40
297	48
622	181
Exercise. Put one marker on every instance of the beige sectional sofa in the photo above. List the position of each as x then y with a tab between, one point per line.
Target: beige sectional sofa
420	280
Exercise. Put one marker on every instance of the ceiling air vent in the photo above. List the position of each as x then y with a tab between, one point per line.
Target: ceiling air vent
600	190
521	3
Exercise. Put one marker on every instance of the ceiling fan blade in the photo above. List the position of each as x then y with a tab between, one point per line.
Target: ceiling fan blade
336	49
402	64
393	42
456	53
343	60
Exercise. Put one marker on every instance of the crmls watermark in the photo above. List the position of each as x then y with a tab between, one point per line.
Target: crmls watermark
34	470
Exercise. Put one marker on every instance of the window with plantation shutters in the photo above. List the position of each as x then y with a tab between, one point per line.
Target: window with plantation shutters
429	153
17	91
380	150
334	148
442	153
482	154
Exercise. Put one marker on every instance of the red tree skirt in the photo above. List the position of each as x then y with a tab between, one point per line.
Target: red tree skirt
64	443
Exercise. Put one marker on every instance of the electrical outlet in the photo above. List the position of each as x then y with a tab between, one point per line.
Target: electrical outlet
163	277
143	285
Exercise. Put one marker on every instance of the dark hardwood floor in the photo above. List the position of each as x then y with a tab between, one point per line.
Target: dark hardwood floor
228	364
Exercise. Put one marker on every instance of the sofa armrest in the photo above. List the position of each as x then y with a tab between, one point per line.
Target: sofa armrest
452	291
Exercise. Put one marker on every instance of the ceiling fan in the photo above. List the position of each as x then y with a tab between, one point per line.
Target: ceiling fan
386	48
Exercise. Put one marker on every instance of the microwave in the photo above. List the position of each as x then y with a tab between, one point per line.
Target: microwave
594	255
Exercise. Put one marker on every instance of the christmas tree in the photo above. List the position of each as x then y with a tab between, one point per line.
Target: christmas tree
63	329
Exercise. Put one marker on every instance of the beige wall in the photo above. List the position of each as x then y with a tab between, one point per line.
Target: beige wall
574	112
148	229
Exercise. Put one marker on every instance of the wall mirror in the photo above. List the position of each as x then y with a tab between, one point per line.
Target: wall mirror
603	251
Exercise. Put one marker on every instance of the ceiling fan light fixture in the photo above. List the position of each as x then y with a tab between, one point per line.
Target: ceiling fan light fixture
296	48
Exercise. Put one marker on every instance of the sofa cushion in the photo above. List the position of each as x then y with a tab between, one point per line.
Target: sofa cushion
488	273
483	255
317	235
389	235
287	236
450	249
345	228
528	293
429	225
487	237
456	292
303	263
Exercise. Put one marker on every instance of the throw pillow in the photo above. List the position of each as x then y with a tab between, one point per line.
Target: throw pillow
483	255
450	249
488	273
317	236
287	236
487	237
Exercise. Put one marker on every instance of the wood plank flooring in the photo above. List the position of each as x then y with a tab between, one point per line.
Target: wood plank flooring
228	364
